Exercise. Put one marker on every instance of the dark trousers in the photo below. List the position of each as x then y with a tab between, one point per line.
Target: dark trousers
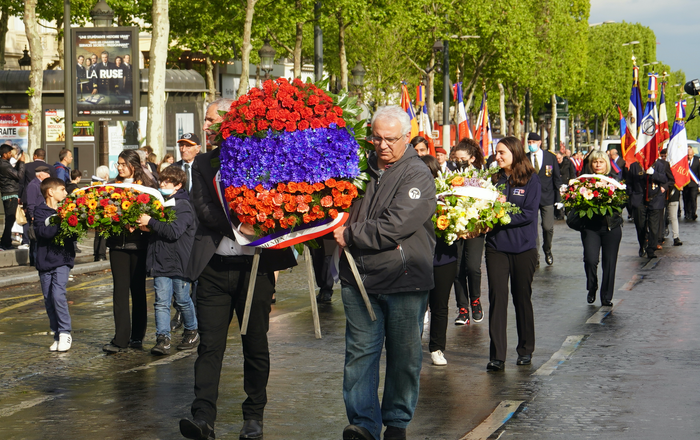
593	241
547	224
25	228
468	278
438	301
322	269
223	286
99	247
690	201
646	221
520	268
129	274
10	206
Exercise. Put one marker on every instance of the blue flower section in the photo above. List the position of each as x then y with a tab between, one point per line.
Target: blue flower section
300	156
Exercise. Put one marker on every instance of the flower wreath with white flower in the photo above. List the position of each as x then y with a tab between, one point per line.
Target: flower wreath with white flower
594	194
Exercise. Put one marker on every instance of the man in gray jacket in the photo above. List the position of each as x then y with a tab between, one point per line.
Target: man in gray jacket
391	237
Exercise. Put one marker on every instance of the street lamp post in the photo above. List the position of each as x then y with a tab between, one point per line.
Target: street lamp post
358	78
267	58
103	16
445	95
25	63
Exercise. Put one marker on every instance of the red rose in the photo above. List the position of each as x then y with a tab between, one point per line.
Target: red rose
115	219
301	207
313	100
291	221
340	123
595	194
143	198
319	109
308	218
90	219
272	114
316	123
303	125
81	201
277	214
294	116
277	126
327	202
73	220
333	213
104	202
338	110
263	125
306	113
291	126
610	192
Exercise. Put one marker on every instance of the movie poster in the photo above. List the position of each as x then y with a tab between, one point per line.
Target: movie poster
106	73
14	128
83	131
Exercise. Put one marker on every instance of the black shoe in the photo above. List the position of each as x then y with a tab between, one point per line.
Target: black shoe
196	429
190	339
111	348
477	312
495	366
352	432
394	433
591	296
324	297
176	322
162	345
136	344
252	429
548	258
651	255
641	253
677	242
273	300
462	317
524	360
606	303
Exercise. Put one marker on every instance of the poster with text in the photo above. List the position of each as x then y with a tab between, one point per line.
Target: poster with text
106	78
14	128
83	131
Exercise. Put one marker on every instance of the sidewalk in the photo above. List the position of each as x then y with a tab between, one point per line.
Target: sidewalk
15	268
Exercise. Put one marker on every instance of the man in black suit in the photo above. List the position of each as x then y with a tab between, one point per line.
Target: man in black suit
619	163
690	191
80	73
547	168
222	268
647	191
128	72
103	82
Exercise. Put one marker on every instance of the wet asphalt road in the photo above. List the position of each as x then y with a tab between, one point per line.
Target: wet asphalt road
628	374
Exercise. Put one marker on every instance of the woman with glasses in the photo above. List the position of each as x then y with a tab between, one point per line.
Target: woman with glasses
127	257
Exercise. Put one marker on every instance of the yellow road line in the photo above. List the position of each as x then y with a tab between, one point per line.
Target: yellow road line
22	304
18	297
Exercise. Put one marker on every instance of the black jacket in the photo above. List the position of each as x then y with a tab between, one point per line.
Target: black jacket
550	178
645	189
567	170
390	232
49	256
30	174
10	177
213	224
129	241
171	243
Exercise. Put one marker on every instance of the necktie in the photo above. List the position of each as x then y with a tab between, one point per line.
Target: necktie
537	162
187	180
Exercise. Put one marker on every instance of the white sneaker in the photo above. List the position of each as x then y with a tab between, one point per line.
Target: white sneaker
438	357
64	341
54	346
23	246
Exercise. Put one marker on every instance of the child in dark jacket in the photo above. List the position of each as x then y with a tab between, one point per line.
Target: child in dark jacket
168	252
54	263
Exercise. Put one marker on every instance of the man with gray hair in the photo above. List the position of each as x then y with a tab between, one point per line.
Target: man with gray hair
391	238
222	268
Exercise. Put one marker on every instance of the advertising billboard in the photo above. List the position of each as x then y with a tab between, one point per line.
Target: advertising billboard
106	74
14	128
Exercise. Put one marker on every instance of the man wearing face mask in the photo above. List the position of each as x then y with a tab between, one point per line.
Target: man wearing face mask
547	169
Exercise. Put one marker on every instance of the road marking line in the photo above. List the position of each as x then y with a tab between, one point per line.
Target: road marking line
602	312
18	297
294	313
651	264
567	349
167	360
24	405
629	285
21	304
503	412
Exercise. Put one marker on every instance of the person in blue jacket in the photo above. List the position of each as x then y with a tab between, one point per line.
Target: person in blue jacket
54	262
168	254
511	252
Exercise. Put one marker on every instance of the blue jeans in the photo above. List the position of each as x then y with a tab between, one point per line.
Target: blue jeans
399	322
53	285
165	289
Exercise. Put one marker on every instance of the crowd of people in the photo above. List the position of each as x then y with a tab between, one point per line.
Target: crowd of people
198	265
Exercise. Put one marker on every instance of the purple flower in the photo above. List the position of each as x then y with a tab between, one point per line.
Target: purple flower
300	156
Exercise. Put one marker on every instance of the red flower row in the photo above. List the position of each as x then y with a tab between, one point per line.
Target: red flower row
281	106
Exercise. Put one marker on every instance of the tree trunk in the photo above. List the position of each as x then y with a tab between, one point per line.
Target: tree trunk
502	109
211	86
572	133
246	48
61	34
588	130
517	105
36	76
156	77
341	52
297	43
4	20
553	127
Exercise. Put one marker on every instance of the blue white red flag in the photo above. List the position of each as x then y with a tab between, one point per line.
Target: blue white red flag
408	108
482	131
663	133
462	120
634	112
646	151
678	149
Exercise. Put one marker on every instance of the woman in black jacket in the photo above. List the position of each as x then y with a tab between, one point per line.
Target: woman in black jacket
601	232
127	258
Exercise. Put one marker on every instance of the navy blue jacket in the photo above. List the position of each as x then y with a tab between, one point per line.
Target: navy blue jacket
171	243
49	256
33	196
520	234
62	171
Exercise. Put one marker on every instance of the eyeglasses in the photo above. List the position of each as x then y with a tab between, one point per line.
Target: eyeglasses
378	140
121	164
